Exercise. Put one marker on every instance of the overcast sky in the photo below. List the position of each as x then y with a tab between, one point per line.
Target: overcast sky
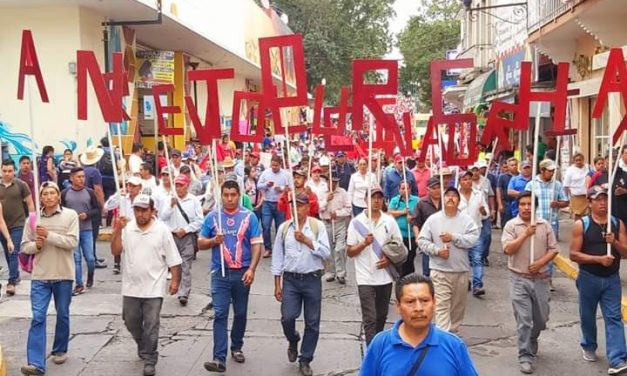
404	10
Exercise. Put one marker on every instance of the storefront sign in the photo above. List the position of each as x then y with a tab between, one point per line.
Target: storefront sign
154	68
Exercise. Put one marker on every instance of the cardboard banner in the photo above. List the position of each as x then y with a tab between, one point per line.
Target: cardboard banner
154	68
236	130
614	81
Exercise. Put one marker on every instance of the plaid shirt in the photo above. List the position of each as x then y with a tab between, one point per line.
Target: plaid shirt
547	192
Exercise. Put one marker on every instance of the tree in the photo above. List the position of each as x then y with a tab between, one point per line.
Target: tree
334	33
427	37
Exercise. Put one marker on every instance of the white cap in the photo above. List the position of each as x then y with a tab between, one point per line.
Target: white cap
141	201
134	180
324	161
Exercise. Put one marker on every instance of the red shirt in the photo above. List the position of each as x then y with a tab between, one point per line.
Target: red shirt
284	205
421	177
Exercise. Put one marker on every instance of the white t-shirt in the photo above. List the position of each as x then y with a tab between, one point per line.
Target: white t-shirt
358	187
320	189
575	180
134	164
146	257
366	272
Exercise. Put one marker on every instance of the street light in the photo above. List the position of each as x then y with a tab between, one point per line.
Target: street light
520	8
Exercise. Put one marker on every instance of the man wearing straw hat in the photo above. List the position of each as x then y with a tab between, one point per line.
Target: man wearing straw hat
94	181
529	281
183	216
598	280
52	240
234	236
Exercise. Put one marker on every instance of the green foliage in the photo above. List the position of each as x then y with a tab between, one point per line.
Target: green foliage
427	37
334	33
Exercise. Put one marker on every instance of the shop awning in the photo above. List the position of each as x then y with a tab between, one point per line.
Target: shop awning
478	87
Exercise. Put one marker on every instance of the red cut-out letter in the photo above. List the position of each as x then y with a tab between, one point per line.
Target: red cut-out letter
496	124
211	129
342	110
436	68
110	102
157	91
236	132
272	99
430	138
364	94
557	97
614	81
29	64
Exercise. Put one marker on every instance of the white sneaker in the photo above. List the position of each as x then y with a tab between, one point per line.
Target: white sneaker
620	369
589	356
169	277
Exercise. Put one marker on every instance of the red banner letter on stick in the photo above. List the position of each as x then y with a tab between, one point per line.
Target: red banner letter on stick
110	102
274	100
496	124
236	133
29	64
321	113
365	94
157	91
614	81
211	129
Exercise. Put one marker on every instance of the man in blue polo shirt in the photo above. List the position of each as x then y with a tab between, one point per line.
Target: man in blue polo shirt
414	343
517	185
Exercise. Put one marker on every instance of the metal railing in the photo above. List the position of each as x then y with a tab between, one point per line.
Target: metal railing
541	12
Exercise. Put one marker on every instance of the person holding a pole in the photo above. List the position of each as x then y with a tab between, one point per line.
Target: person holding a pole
395	176
238	239
358	186
597	245
619	187
403	207
424	210
335	212
446	237
529	281
272	183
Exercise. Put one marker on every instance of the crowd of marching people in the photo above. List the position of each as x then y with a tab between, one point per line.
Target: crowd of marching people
417	230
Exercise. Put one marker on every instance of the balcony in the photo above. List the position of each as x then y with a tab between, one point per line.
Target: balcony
542	12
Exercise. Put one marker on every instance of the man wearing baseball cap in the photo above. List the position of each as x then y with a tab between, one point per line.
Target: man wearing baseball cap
121	203
424	209
550	193
300	177
147	249
183	217
598	280
395	176
446	237
343	169
517	184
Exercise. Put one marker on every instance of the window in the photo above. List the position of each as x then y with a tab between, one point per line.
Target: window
600	129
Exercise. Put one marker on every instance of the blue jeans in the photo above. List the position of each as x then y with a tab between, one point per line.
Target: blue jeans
485	236
606	292
507	214
85	244
357	210
40	294
425	265
14	268
298	292
226	290
475	254
269	213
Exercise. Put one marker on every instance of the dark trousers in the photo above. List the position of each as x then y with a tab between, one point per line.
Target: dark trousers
95	229
507	214
141	317
408	265
226	290
374	301
302	291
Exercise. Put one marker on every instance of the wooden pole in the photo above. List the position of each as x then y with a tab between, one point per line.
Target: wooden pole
441	175
407	201
534	171
36	177
370	136
217	198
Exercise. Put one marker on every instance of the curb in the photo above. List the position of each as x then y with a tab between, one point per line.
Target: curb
572	271
3	364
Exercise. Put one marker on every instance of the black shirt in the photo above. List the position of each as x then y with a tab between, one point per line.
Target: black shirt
424	210
594	244
344	172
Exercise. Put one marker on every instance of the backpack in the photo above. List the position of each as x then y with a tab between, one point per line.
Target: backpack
313	223
586	223
105	164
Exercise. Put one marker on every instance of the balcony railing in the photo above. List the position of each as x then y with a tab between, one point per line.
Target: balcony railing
541	12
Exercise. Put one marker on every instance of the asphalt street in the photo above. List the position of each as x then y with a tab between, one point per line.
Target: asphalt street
101	345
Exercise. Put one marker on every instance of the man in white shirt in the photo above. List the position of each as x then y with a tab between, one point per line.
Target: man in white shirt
446	237
473	203
135	160
335	212
366	237
149	181
183	216
149	250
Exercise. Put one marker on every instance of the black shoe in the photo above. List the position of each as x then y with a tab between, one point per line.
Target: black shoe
486	262
292	351
116	269
183	300
149	370
469	285
90	281
215	366
341	280
100	265
238	356
208	307
478	292
305	369
101	261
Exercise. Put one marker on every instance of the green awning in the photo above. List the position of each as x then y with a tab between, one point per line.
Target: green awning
478	87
